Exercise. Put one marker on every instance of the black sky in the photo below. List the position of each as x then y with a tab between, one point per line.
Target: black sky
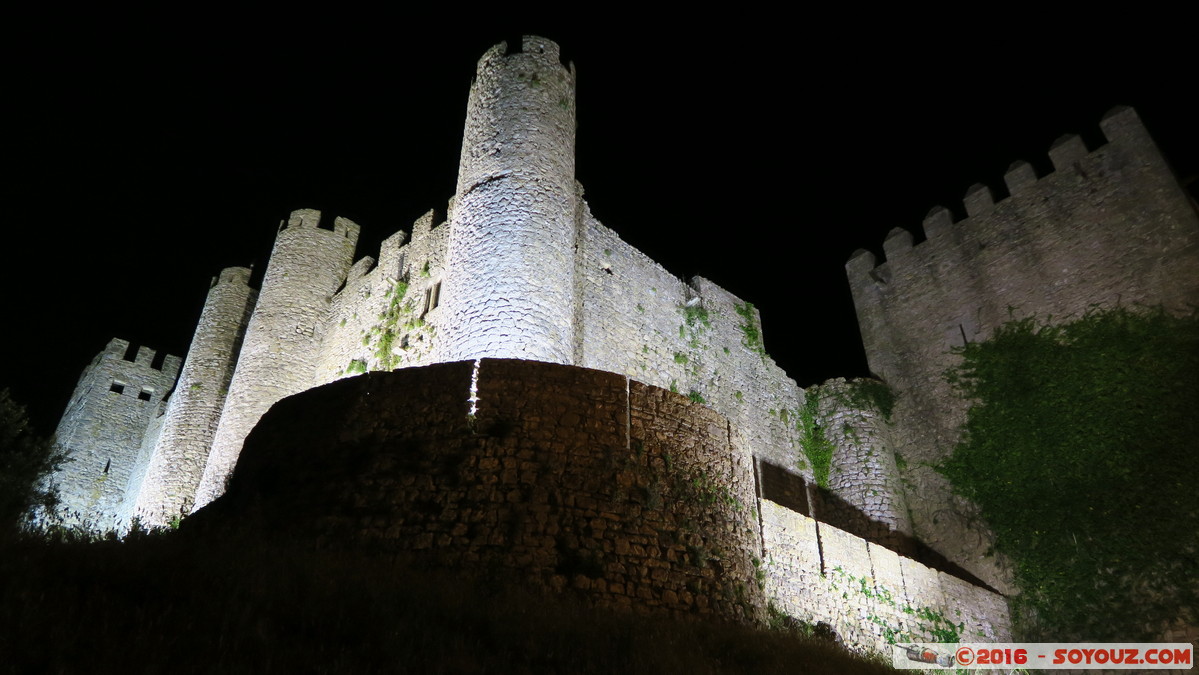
148	152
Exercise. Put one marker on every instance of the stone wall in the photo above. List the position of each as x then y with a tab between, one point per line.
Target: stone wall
1109	226
103	429
694	338
320	319
567	478
387	315
870	595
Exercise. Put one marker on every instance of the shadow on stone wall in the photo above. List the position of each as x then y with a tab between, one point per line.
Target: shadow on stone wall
565	478
793	492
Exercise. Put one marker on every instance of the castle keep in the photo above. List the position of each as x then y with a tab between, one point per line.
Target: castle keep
512	383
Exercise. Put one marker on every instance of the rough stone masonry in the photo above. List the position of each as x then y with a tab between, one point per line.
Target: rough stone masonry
576	475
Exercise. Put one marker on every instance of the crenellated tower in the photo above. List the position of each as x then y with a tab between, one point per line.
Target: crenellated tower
515	216
118	396
670	464
181	450
279	354
1110	225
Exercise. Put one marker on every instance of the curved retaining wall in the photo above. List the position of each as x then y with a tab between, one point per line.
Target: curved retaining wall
565	477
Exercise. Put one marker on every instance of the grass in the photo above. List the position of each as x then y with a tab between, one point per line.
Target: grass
162	603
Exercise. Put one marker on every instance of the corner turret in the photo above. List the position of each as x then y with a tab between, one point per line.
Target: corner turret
117	397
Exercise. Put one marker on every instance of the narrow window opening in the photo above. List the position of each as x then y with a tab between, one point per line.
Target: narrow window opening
145	394
107	465
117	387
435	296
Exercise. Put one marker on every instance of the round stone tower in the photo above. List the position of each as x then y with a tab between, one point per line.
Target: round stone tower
509	288
863	470
191	418
278	357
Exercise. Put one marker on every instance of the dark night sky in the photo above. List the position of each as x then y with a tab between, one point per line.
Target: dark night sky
756	152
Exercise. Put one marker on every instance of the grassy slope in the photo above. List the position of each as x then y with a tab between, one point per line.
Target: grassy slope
162	604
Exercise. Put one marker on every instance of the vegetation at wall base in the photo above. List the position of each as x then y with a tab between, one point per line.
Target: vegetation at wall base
164	603
1080	450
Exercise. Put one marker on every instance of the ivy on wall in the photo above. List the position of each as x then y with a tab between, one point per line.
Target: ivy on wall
818	448
1080	450
751	336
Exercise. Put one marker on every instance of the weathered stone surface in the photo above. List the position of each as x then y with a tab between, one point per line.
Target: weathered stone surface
519	267
1110	226
177	458
280	352
109	420
871	596
562	476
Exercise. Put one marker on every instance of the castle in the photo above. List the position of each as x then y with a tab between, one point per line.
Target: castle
453	316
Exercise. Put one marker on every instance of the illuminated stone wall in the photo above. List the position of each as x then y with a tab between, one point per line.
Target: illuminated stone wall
1108	226
862	470
571	479
103	429
640	320
514	222
519	267
870	595
174	464
388	314
518	218
280	352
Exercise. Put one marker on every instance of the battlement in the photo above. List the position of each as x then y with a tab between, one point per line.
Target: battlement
115	347
535	47
232	275
311	219
520	302
302	218
425	224
117	354
1128	144
1107	226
